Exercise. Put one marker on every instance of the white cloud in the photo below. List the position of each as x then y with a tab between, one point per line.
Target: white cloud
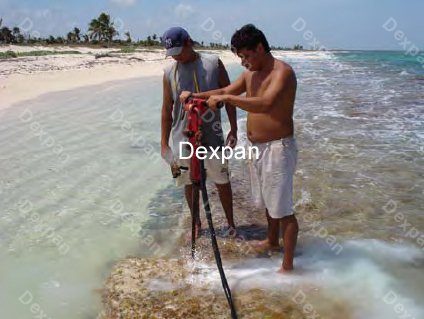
42	14
126	3
183	11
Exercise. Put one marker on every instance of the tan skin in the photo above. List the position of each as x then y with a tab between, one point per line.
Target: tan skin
224	190
270	87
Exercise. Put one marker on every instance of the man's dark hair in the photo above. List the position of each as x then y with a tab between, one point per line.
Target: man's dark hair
248	37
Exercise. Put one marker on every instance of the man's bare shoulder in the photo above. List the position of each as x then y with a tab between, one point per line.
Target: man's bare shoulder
246	75
283	68
284	73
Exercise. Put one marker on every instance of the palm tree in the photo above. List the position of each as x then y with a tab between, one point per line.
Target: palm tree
51	40
95	30
128	35
16	31
74	36
77	33
70	37
6	35
18	37
102	28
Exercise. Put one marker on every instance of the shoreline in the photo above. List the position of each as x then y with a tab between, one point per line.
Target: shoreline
26	78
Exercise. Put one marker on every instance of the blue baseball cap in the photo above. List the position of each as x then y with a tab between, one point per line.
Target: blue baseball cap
173	39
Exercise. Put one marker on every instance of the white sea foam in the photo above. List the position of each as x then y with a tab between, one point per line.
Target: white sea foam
362	276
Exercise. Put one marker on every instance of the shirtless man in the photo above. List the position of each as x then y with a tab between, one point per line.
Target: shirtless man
270	87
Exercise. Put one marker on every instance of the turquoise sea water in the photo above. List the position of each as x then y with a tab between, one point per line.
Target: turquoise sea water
390	61
78	172
81	186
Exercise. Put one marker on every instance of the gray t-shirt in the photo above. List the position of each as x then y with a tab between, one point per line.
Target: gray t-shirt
181	78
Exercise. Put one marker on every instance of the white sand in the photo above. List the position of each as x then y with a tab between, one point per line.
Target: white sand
25	78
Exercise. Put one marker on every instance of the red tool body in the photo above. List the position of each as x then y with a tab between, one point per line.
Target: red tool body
195	108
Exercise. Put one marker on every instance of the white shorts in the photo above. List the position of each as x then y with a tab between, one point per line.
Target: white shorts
216	171
271	176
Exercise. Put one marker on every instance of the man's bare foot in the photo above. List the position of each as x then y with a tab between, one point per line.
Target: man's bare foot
198	231
286	268
231	232
284	271
263	245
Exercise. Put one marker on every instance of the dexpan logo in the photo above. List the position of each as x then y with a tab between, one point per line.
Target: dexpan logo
223	153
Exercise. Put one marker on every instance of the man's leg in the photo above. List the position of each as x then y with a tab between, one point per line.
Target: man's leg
189	198
273	230
290	231
226	196
272	234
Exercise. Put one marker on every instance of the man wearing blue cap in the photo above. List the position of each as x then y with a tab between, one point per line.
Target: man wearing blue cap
195	72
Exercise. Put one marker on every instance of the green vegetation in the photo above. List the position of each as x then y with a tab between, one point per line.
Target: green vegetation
8	55
74	36
127	49
102	29
10	35
12	54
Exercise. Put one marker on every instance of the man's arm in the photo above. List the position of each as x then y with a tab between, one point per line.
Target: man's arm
257	104
236	88
166	118
224	82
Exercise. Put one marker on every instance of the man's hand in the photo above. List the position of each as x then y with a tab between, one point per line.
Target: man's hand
184	96
231	139
215	101
166	153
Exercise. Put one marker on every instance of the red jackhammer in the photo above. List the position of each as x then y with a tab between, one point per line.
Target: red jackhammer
195	109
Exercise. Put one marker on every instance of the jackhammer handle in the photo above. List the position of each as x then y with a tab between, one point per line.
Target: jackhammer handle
220	105
205	103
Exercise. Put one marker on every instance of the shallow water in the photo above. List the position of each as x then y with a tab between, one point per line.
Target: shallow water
360	130
82	186
79	170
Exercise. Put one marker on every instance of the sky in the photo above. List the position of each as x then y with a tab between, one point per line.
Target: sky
326	24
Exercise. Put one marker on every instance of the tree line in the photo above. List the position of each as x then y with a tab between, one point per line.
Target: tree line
100	31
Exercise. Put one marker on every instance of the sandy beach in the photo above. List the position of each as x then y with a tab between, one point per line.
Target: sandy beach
25	78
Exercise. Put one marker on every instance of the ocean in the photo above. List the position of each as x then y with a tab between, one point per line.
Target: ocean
82	185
